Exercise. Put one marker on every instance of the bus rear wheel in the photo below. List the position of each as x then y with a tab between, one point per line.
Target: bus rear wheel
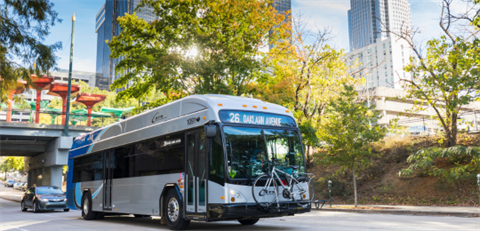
174	211
87	212
248	222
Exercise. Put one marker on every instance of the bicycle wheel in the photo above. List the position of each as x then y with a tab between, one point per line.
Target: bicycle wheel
304	190
265	191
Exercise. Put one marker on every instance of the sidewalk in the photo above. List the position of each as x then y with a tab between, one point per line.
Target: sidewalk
408	210
10	194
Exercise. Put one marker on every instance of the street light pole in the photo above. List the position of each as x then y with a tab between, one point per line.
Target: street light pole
65	133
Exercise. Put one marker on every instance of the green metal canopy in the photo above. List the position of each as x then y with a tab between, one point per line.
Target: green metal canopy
118	112
83	111
33	106
53	112
82	115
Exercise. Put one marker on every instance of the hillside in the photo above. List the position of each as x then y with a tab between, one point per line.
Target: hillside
380	183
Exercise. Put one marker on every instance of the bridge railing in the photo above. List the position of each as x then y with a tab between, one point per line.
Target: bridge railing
57	118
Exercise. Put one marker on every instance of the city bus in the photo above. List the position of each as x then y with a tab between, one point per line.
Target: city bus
191	159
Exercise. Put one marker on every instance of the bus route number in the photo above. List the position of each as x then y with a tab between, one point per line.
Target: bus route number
234	118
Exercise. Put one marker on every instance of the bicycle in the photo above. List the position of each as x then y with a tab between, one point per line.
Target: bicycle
296	188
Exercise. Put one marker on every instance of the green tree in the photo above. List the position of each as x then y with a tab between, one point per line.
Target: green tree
23	26
446	77
12	163
226	35
348	133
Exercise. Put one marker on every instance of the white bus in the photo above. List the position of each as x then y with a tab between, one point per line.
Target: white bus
192	159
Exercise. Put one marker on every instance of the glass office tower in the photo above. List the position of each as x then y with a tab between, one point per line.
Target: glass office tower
282	6
370	20
106	27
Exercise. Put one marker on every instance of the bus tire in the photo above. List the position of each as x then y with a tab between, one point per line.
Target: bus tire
248	222
173	211
87	212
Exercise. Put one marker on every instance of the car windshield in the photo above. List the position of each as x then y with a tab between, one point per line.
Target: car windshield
49	190
248	150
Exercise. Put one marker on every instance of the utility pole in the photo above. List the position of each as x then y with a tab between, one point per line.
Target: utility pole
368	100
476	122
65	133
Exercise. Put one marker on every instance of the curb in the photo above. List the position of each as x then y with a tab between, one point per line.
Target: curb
402	212
10	199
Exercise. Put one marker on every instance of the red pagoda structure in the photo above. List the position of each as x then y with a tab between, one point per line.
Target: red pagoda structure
16	89
89	100
40	84
60	90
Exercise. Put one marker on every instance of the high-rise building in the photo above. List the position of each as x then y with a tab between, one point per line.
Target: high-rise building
282	6
370	20
106	27
380	54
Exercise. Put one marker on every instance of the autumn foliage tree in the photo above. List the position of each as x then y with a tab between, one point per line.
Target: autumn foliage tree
303	73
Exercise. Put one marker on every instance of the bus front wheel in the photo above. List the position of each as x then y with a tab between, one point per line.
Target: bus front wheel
174	211
87	212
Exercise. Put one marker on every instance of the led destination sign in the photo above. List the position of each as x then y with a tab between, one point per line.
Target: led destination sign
244	117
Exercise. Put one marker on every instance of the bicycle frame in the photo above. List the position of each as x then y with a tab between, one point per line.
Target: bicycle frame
290	179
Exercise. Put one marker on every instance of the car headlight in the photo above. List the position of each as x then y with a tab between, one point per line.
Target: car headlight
45	200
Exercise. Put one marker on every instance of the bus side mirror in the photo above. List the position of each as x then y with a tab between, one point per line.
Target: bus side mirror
210	131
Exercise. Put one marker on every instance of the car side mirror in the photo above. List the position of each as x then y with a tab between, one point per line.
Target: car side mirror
210	131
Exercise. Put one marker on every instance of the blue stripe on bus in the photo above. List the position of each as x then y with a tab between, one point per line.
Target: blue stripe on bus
70	186
79	151
86	139
78	194
96	192
101	133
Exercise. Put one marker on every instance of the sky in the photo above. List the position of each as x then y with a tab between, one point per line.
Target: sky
330	14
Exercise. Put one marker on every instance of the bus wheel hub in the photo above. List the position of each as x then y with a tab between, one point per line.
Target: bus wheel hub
173	209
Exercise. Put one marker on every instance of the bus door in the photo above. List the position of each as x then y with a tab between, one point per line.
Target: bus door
107	179
196	173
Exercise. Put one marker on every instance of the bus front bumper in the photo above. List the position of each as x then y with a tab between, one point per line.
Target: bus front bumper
251	211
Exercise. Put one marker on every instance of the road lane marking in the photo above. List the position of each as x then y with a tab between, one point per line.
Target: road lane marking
16	228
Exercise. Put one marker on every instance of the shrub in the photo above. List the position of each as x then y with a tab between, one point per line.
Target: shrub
448	164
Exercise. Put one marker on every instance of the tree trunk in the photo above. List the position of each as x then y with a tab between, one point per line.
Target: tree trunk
452	138
309	151
354	184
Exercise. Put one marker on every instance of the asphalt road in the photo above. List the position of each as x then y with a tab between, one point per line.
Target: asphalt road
11	218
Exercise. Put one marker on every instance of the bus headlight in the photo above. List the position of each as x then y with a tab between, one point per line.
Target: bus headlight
45	200
236	196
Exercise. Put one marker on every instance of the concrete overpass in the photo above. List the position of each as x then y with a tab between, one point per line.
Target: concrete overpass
44	147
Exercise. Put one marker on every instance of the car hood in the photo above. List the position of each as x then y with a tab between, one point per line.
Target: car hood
51	196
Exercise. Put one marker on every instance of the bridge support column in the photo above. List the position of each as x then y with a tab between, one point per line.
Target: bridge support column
56	176
47	168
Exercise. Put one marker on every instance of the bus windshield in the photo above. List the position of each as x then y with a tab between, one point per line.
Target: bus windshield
248	150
